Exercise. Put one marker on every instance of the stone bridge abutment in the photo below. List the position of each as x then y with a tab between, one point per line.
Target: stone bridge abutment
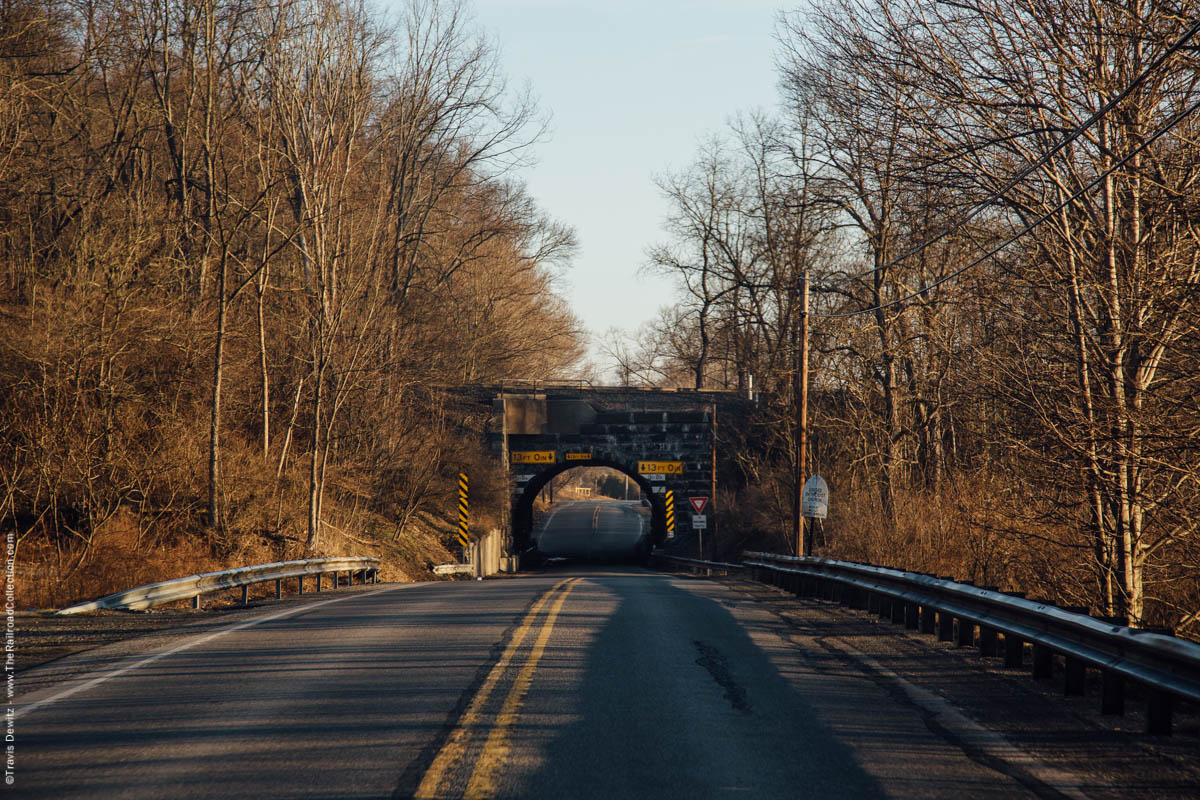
661	438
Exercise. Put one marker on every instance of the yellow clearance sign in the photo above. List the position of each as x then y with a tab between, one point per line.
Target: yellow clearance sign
577	456
660	467
533	457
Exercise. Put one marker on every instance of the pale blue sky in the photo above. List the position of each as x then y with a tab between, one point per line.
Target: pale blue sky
632	89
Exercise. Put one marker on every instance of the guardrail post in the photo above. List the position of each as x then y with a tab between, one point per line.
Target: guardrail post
898	610
196	601
912	617
1043	661
278	588
1075	676
1158	712
1014	651
319	576
872	603
885	606
945	626
245	594
928	619
300	587
966	633
988	646
1112	692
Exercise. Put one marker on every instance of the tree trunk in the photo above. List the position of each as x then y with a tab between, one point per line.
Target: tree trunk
214	430
315	473
264	375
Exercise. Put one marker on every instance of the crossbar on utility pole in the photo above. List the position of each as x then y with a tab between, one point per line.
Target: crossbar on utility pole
801	395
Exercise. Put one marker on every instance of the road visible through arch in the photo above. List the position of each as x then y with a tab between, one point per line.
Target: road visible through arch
594	530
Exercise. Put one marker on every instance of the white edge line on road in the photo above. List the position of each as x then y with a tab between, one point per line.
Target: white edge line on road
189	644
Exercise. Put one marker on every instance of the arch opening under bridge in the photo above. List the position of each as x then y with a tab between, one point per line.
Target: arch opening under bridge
542	429
522	512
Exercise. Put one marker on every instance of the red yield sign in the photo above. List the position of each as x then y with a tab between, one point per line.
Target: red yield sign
698	503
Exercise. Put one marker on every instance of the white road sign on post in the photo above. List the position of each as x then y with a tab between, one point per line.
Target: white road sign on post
814	502
699	522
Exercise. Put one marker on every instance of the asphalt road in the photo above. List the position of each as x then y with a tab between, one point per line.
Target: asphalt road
601	530
581	682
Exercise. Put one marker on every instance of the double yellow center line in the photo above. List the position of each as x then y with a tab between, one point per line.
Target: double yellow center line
472	723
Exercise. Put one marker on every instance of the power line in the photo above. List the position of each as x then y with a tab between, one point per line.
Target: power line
1030	226
1028	170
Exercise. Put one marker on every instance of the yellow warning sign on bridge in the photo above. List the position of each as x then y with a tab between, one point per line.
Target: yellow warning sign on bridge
577	456
660	467
534	457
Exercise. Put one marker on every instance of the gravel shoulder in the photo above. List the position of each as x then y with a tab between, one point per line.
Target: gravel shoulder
1109	756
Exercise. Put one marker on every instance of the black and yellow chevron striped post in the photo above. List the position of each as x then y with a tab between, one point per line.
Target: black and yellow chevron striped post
670	502
464	511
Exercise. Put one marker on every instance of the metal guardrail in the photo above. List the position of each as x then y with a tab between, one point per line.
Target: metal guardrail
193	586
696	563
1167	668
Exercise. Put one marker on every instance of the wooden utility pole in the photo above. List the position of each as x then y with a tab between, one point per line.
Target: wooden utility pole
506	522
801	436
712	490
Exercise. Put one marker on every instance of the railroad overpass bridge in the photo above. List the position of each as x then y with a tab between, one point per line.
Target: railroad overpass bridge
664	439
